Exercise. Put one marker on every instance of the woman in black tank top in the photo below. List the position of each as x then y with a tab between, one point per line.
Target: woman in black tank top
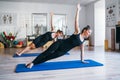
60	47
42	39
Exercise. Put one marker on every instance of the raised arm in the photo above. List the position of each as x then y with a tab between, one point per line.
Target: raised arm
51	22
77	30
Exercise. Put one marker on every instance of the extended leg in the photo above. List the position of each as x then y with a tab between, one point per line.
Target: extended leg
31	46
43	56
52	56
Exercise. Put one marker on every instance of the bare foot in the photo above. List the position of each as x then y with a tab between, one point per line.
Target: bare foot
85	62
18	54
29	65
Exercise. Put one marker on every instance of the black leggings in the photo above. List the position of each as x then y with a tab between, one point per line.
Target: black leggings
51	53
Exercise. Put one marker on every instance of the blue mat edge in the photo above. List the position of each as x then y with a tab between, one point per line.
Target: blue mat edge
100	64
30	55
26	55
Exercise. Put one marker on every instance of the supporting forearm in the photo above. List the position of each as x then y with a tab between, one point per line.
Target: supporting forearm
82	53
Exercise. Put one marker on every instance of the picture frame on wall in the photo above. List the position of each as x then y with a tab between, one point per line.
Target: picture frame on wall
8	19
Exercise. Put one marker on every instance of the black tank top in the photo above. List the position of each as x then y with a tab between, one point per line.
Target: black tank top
71	42
47	36
42	39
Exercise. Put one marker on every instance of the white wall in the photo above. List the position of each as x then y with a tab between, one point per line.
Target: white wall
82	18
99	23
90	19
95	17
23	12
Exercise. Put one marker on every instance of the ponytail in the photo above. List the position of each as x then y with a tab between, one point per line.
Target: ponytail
85	28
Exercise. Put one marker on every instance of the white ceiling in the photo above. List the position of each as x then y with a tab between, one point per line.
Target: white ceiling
69	2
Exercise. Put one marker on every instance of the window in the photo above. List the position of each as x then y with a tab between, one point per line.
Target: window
39	23
59	22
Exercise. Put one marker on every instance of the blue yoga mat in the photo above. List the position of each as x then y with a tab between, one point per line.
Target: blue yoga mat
57	66
29	55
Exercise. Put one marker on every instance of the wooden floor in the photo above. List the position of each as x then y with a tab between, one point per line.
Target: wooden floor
110	70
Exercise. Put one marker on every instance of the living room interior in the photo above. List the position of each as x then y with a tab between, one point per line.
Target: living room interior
23	21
